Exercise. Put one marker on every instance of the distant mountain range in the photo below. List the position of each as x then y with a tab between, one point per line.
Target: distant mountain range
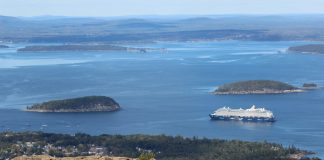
132	29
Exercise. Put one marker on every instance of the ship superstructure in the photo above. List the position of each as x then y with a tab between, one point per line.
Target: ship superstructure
251	114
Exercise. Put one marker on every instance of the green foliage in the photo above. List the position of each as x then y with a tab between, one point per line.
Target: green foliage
82	103
165	147
56	153
147	156
255	85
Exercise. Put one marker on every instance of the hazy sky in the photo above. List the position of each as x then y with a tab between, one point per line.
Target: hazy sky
156	7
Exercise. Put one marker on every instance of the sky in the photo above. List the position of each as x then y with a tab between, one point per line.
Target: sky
107	8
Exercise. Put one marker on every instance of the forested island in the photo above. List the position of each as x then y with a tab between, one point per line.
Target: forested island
4	46
311	48
256	87
82	104
160	146
85	47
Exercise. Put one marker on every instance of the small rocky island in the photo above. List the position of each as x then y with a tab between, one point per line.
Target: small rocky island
85	47
4	46
82	104
311	48
310	86
256	87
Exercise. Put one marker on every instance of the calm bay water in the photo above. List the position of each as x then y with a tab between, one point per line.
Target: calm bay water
167	93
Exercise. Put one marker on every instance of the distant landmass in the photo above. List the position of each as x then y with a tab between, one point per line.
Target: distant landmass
4	46
51	29
82	104
84	47
256	87
311	48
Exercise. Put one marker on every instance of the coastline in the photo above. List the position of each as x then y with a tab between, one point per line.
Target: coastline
86	47
259	92
47	157
70	111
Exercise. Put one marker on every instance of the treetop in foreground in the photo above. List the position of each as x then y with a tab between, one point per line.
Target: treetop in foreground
163	147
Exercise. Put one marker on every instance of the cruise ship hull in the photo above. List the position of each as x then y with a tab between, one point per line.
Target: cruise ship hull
247	119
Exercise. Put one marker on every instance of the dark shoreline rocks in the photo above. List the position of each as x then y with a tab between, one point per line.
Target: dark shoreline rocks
310	86
82	104
257	87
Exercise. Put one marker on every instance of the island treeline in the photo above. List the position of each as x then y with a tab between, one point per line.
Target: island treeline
80	104
256	87
164	147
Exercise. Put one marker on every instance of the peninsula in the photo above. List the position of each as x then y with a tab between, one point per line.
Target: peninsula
85	47
257	87
311	48
82	104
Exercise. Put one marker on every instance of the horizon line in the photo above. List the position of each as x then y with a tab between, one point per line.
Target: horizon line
170	15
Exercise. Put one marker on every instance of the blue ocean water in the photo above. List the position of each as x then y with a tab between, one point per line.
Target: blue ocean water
167	93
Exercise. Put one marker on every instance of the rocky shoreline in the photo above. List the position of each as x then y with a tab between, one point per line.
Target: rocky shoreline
111	109
261	92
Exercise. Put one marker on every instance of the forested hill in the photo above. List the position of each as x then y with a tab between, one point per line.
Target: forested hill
164	147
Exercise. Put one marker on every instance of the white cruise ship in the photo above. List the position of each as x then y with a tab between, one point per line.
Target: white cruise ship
251	114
